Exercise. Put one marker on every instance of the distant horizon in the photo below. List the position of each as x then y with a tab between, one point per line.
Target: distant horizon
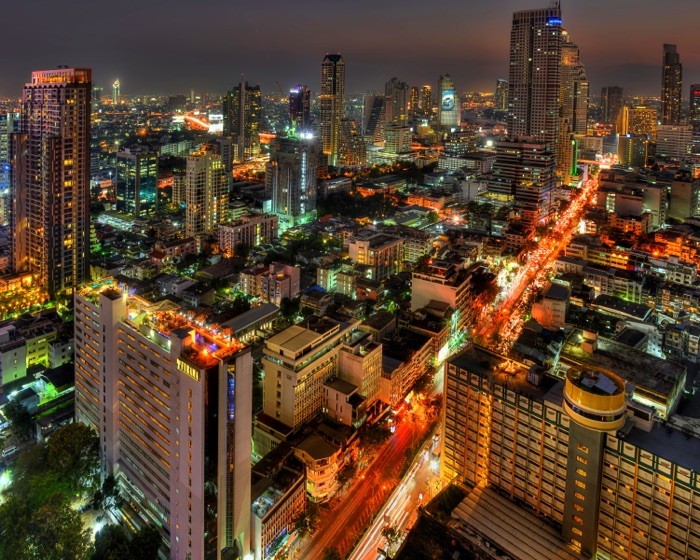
156	48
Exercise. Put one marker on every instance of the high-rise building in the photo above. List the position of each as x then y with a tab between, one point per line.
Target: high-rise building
171	402
643	120
396	101
9	124
300	107
500	96
332	100
137	181
206	193
449	109
574	86
291	178
116	92
633	150
671	86
51	179
352	151
610	103
373	125
694	116
534	76
414	99
242	110
674	141
523	173
426	100
587	453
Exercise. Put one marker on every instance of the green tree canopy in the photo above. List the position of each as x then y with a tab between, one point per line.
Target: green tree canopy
74	453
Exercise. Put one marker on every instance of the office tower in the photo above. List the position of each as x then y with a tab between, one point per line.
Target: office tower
426	100
206	193
449	110
51	181
643	120
694	116
352	151
137	181
500	97
611	103
397	139
171	402
396	101
524	174
373	125
622	121
223	146
96	98
674	141
300	107
633	150
587	453
116	91
534	77
414	99
332	100
9	124
574	87
290	178
671	86
242	111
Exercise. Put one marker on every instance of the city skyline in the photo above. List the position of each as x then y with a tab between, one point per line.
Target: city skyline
153	51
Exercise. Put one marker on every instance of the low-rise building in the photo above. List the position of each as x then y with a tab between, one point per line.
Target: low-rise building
248	231
322	460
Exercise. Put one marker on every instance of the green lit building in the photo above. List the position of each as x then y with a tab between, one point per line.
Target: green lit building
137	181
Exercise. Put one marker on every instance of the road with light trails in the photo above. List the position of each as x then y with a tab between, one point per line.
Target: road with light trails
507	319
400	511
341	526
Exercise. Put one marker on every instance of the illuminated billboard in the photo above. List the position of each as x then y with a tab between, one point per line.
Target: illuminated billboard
447	99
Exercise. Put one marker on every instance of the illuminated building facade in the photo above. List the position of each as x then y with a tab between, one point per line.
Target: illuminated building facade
171	402
449	109
574	87
524	174
643	120
396	101
206	193
671	86
352	151
694	117
9	124
611	103
575	451
116	92
242	110
426	100
332	100
382	253
248	231
137	181
290	177
300	107
500	96
373	119
674	141
534	78
51	179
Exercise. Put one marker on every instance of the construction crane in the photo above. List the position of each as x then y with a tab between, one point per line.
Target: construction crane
283	97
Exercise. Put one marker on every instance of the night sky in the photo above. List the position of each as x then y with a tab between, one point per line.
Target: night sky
169	46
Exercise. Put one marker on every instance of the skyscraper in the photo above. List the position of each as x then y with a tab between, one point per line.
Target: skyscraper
671	86
242	110
500	97
449	109
426	100
373	118
9	123
396	101
171	402
51	179
332	104
206	192
414	99
137	181
694	116
291	178
116	92
574	86
300	107
534	77
611	103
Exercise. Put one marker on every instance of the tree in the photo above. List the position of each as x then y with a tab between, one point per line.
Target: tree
54	531
331	554
21	421
345	474
108	499
391	535
73	452
145	543
111	543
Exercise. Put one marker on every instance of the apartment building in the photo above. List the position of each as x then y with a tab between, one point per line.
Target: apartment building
251	230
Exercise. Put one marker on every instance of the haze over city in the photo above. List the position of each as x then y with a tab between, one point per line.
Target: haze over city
174	46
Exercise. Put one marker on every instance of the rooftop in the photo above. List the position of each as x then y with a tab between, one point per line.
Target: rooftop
317	447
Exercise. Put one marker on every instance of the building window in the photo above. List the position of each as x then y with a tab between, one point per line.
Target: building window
581	485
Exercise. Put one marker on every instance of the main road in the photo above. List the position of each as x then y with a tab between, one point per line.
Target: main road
341	525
